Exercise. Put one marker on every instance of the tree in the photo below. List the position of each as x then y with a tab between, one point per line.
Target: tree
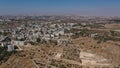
38	40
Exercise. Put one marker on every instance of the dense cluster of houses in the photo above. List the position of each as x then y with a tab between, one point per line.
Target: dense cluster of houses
27	33
44	29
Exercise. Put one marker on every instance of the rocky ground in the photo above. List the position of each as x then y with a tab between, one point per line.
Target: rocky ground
82	53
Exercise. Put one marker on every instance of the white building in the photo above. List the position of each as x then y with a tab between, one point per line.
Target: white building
93	35
18	43
10	48
63	41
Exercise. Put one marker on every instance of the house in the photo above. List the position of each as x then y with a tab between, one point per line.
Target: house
63	41
93	35
17	43
2	44
10	48
5	41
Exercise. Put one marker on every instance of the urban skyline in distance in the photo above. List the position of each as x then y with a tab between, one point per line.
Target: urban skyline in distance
60	7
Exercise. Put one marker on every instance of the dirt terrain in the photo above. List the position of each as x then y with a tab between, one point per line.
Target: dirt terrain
85	52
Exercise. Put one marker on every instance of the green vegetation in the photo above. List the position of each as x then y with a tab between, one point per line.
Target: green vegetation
114	33
38	40
4	54
0	33
106	38
62	66
53	63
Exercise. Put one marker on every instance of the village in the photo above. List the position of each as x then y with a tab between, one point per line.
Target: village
60	42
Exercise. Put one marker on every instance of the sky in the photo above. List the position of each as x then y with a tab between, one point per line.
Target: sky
60	7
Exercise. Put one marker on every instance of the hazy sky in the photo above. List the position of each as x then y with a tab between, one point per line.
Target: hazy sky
77	7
